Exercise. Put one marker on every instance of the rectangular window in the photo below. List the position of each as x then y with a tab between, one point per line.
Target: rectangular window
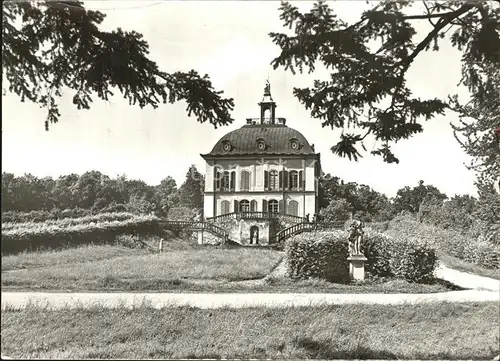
226	182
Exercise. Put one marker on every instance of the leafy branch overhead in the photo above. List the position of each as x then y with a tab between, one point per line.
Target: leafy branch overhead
58	45
367	89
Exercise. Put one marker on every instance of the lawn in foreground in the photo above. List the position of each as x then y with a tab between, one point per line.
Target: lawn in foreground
149	269
432	331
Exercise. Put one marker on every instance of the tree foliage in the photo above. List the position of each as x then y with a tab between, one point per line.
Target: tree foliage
337	198
191	191
479	119
52	46
366	91
411	199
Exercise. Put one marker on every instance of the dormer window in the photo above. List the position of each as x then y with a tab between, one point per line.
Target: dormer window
261	145
226	146
294	144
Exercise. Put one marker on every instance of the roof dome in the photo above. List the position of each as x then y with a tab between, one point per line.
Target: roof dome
262	139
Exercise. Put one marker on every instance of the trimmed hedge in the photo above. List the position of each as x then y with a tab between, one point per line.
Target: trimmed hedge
318	255
324	255
406	258
59	235
67	222
43	215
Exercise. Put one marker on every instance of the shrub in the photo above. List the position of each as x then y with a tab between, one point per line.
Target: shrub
130	241
318	255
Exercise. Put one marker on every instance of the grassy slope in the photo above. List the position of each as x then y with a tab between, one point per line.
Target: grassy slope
434	331
87	253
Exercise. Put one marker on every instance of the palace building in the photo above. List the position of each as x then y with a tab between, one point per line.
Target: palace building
264	167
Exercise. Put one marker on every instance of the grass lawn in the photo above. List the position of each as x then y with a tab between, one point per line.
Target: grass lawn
461	265
87	253
433	331
139	269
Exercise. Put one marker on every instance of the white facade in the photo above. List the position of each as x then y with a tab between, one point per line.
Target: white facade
296	199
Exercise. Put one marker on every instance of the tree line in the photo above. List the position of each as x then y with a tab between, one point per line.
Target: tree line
96	192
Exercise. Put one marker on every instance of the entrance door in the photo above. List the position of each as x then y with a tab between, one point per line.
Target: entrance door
254	235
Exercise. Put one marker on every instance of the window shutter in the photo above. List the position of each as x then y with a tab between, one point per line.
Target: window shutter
253	206
281	179
266	179
301	185
285	179
264	206
217	180
236	210
281	206
233	177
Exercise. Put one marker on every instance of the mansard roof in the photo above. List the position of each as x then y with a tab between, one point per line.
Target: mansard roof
262	139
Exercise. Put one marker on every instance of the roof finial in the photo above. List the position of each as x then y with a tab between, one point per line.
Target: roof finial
267	89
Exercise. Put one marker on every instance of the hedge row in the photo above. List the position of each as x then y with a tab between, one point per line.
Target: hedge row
406	258
470	247
43	215
324	255
318	255
68	222
54	236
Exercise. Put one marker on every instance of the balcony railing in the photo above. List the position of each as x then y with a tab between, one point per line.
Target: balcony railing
305	227
257	215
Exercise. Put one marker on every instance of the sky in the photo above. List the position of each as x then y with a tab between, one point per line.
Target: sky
229	41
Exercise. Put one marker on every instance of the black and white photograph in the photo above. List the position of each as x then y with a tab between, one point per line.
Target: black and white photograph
251	180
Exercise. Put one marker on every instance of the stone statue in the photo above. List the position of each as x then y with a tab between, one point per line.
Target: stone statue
355	236
254	237
160	245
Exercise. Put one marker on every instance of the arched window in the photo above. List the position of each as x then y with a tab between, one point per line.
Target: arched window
244	206
267	116
293	208
273	180
245	180
224	207
272	206
293	181
253	206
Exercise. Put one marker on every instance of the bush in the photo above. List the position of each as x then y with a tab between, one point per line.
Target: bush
130	241
318	255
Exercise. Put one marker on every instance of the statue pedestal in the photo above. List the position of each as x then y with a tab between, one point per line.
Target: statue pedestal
357	266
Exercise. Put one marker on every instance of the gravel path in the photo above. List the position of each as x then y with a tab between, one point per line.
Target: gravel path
221	300
467	280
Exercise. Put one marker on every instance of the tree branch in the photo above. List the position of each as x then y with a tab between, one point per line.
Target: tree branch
442	22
